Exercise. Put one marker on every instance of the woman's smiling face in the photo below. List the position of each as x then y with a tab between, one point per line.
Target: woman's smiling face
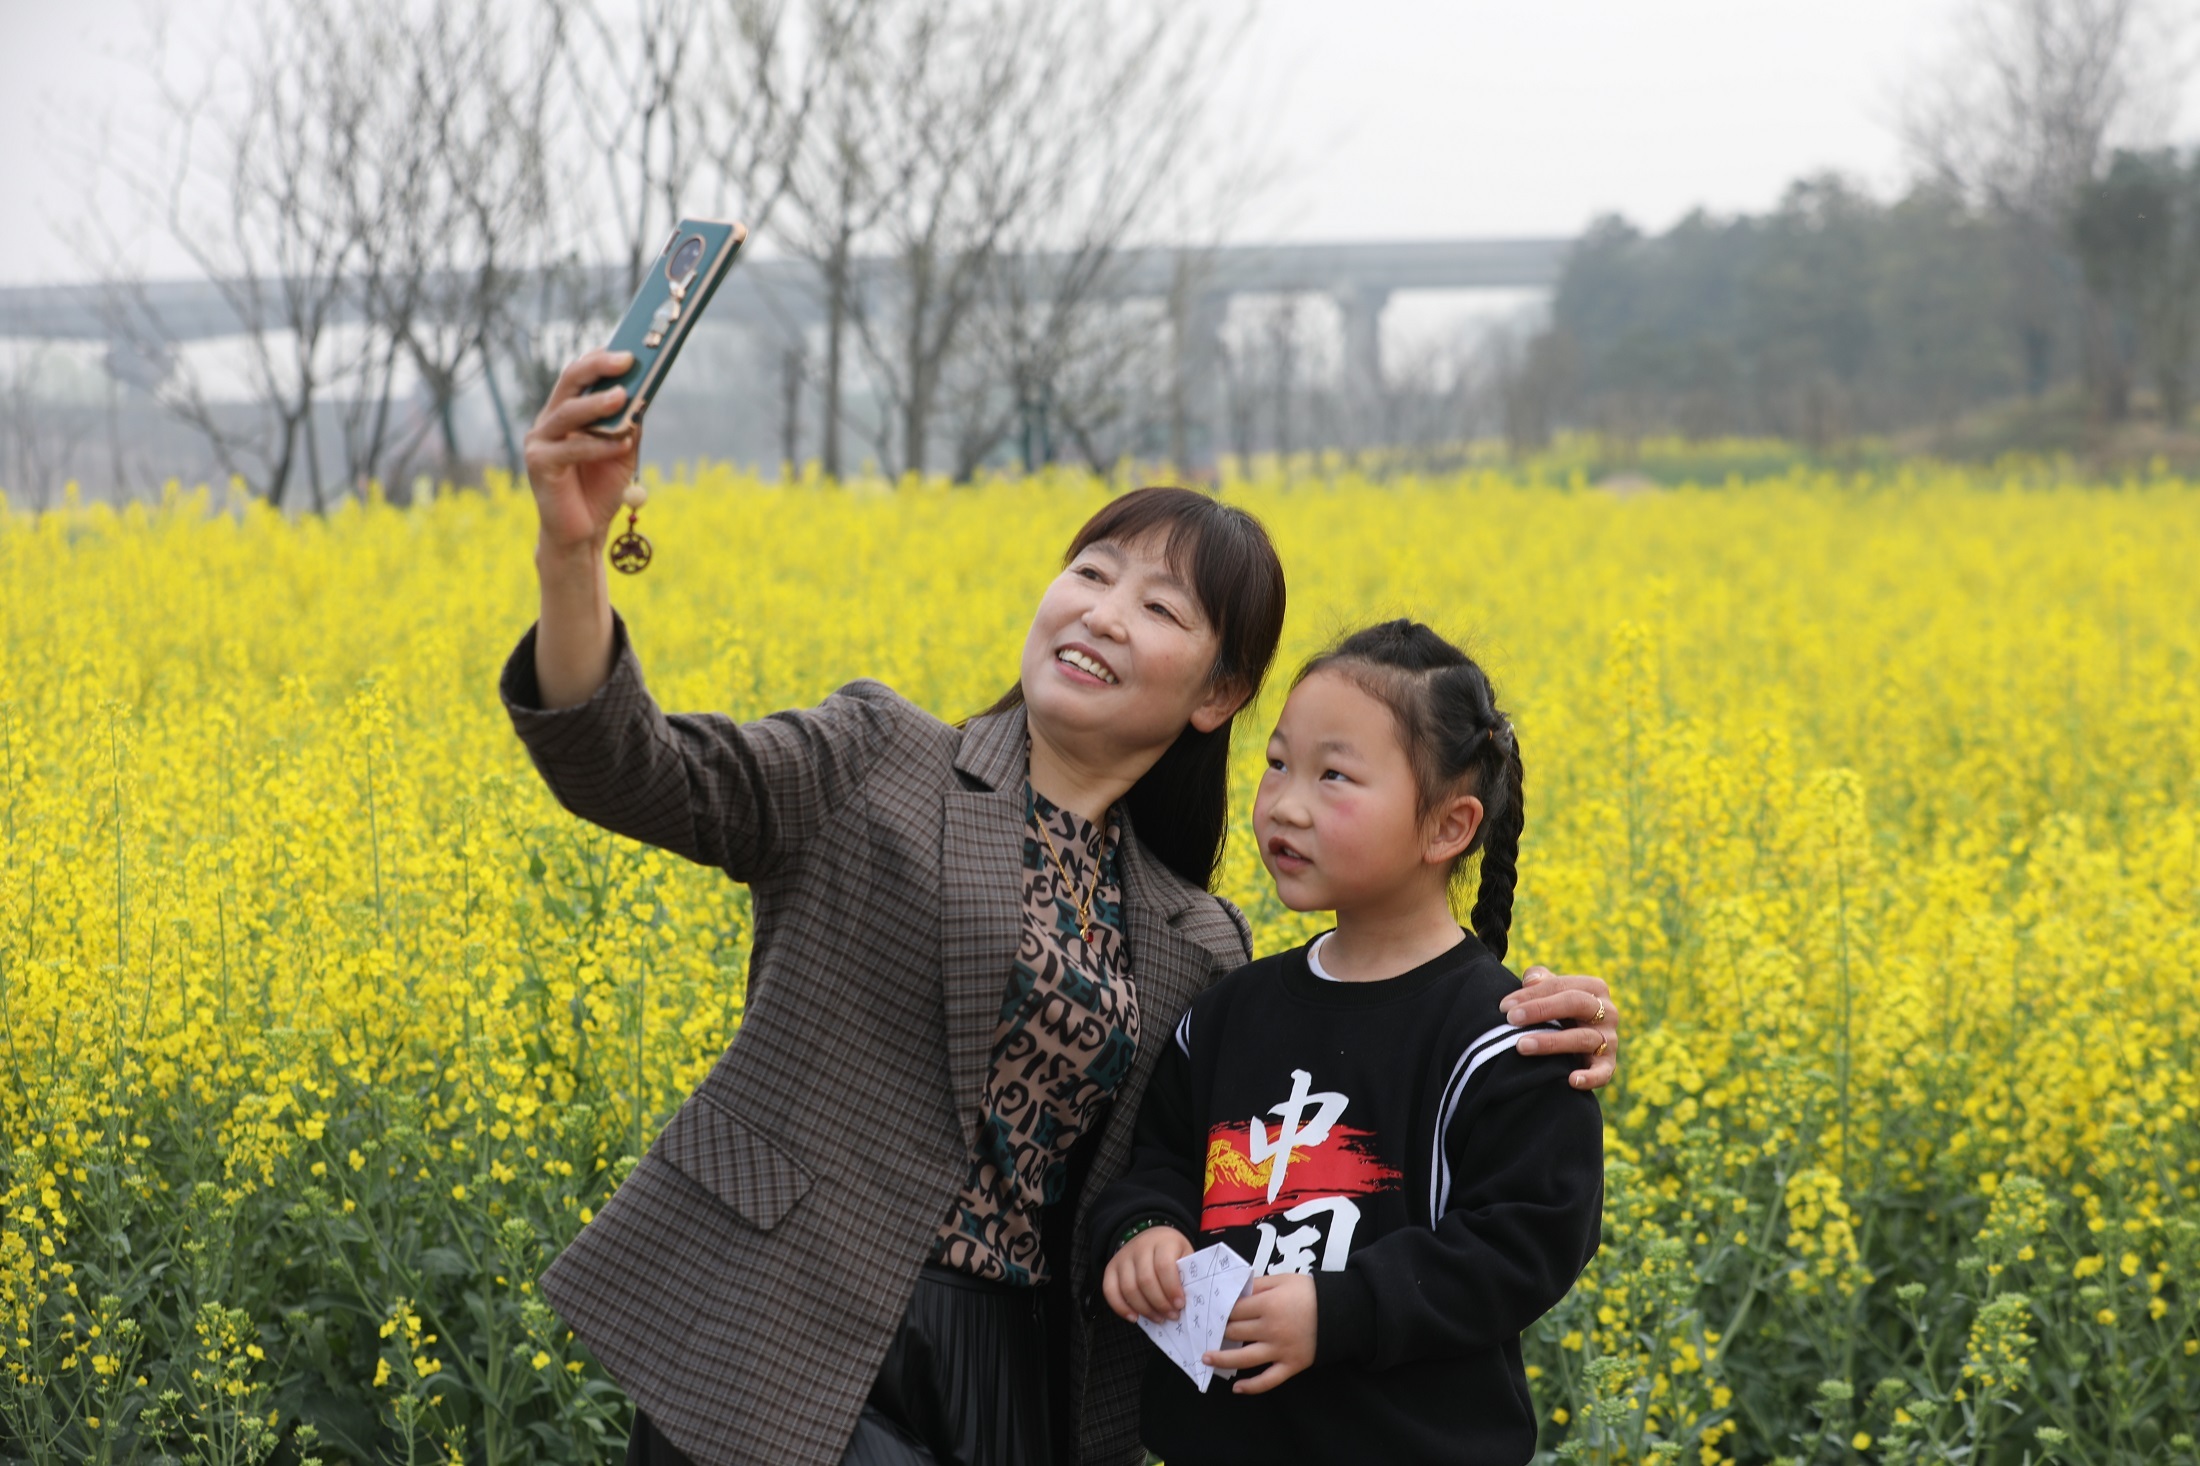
1121	654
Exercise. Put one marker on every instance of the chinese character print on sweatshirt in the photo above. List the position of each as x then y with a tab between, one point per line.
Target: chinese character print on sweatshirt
1443	1190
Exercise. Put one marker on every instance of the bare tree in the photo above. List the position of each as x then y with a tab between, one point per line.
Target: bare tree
1112	151
996	158
2023	116
681	97
41	439
1427	403
240	180
630	70
471	133
835	201
948	181
1241	397
2137	230
364	183
1279	340
789	132
368	183
1519	379
793	367
2038	91
1106	391
1266	397
849	170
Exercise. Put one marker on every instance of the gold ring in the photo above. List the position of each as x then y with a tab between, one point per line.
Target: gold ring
1600	1048
1600	1016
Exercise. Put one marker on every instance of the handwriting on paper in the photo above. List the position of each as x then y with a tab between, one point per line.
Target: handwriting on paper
1214	1279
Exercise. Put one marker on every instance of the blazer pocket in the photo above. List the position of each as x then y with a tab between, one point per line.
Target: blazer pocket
734	1161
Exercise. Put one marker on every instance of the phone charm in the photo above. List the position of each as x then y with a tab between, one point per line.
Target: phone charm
668	311
630	552
660	321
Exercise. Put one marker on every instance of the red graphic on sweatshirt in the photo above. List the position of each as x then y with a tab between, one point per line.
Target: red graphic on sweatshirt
1235	1193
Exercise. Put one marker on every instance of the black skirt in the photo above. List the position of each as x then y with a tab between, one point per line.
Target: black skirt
964	1383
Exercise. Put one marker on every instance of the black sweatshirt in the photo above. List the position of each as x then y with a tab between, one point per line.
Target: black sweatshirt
1444	1190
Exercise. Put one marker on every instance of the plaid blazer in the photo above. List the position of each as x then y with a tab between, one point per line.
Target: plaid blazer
744	1282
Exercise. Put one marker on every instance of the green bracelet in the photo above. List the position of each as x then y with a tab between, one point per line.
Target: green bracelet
1135	1228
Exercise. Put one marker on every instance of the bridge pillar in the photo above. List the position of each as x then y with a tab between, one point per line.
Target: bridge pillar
1361	306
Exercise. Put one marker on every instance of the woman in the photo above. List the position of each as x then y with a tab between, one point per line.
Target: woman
858	1240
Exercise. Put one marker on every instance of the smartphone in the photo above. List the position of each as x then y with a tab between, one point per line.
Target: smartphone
678	285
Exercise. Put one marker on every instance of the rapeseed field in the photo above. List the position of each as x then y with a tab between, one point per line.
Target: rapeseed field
1875	797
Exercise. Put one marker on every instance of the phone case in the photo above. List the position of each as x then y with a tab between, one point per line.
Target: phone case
679	284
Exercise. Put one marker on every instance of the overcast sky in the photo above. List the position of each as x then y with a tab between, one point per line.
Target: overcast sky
1395	119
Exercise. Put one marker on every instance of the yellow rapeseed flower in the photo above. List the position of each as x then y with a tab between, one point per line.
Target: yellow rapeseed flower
1870	793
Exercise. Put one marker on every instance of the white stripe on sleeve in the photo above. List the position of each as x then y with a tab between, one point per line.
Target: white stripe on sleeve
1484	1048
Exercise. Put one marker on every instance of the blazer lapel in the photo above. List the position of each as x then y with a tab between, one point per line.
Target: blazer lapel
981	874
981	919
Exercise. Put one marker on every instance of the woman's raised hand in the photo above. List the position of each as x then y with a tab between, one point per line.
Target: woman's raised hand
577	476
578	479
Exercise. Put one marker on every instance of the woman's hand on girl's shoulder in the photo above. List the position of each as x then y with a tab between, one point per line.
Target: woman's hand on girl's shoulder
1142	1280
1584	1005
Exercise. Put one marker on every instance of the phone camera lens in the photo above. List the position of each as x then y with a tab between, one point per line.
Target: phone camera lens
685	258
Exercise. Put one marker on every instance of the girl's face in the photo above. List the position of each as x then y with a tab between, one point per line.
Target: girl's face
1119	655
1338	813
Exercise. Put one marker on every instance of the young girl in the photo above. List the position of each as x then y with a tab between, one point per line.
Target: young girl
1351	1117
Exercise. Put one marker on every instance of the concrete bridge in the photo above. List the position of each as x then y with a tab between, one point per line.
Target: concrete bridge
779	295
767	301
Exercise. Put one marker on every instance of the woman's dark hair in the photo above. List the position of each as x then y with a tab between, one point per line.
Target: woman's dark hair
1180	810
1457	741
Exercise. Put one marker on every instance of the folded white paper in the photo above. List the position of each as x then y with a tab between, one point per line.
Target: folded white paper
1215	1278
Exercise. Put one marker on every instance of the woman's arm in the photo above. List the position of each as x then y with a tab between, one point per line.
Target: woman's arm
577	479
736	796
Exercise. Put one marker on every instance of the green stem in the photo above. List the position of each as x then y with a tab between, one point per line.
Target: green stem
114	785
1841	909
374	837
7	762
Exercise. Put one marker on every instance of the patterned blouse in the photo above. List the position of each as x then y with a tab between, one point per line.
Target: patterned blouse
1068	1033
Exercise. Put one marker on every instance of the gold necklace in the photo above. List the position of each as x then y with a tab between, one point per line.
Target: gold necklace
1084	907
